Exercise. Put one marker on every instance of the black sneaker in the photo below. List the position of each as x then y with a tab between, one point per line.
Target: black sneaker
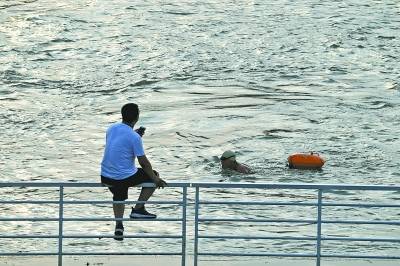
119	232
141	214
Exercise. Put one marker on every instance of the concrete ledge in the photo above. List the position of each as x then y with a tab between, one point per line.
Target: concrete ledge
176	261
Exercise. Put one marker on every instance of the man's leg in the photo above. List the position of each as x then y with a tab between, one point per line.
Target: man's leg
139	210
119	194
145	194
119	227
119	209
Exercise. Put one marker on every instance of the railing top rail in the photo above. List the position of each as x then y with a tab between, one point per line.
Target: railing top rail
79	184
294	186
215	185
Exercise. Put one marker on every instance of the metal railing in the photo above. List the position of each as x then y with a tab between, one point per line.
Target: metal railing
318	221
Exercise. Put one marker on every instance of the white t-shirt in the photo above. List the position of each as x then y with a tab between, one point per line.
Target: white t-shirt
123	145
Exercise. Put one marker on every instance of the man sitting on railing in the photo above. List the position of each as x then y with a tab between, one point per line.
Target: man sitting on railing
118	169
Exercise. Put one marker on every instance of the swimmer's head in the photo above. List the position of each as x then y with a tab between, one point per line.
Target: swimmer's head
228	155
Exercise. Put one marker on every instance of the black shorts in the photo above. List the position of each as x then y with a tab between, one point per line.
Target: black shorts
119	188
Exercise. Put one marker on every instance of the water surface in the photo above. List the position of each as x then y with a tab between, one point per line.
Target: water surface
263	78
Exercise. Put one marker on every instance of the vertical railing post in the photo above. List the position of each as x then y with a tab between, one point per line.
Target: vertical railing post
196	226
319	225
184	204
60	225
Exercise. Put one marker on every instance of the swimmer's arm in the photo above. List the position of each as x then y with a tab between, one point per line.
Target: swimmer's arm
245	169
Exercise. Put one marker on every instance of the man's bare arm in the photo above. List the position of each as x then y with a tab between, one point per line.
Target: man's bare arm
148	169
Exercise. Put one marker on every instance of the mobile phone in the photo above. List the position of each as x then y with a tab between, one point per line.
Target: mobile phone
141	131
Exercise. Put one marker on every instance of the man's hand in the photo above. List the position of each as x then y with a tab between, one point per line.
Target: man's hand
140	131
159	182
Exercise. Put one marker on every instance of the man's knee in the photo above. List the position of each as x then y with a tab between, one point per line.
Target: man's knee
120	197
119	193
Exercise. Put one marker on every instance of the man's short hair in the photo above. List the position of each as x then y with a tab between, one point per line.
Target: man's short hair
130	112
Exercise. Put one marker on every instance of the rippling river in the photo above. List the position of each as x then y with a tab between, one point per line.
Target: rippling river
263	78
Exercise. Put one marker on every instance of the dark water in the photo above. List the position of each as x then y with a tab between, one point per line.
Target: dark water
263	78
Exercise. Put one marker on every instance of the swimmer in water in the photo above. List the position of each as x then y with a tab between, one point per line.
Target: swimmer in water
228	161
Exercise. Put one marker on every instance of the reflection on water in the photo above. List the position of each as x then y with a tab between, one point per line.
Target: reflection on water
262	79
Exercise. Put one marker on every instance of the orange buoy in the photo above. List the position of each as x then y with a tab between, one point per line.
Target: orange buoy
306	161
